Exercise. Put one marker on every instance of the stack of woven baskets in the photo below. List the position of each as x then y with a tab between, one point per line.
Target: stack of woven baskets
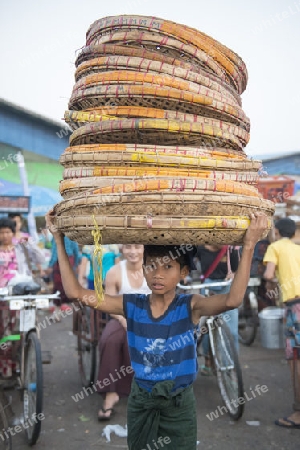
156	155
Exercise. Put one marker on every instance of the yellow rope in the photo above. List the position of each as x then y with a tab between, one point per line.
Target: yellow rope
97	263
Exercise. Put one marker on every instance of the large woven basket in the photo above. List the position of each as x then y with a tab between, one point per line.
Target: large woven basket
208	79
221	230
80	118
156	155
151	131
134	77
139	30
72	187
156	96
142	65
160	217
152	172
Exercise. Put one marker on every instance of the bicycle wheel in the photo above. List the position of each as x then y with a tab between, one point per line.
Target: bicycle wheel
87	347
5	437
228	370
248	319
33	388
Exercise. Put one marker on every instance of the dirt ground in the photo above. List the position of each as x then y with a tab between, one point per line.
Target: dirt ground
73	425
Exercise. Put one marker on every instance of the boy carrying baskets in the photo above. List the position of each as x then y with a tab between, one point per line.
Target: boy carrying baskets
160	327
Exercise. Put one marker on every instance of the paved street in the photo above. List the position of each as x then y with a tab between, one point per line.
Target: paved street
73	425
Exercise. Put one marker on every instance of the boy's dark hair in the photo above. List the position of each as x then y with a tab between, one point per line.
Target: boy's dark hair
183	254
286	227
16	214
8	223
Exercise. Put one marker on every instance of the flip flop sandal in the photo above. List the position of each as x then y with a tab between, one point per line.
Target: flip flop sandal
105	418
284	425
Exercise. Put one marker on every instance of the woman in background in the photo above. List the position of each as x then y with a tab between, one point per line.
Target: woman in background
15	259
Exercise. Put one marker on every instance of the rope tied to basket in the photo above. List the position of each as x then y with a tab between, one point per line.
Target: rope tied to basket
97	263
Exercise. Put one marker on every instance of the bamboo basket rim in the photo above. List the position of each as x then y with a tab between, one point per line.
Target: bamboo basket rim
134	159
148	171
176	30
122	76
146	229
205	152
88	199
110	185
89	52
73	118
150	130
114	62
189	51
226	58
152	222
162	95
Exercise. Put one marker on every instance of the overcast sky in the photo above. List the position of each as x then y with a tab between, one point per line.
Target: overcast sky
39	39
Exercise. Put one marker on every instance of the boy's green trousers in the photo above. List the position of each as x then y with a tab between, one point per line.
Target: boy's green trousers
161	418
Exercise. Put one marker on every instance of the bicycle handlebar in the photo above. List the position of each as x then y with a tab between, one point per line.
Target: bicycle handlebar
29	296
204	285
253	281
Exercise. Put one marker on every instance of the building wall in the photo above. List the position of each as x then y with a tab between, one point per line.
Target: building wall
20	129
286	165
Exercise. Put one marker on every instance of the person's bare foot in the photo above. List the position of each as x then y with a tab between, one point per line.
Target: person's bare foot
107	410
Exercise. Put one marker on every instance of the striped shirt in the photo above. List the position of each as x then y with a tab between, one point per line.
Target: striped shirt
162	348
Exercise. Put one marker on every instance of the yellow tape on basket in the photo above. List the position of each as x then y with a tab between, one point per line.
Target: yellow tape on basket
97	263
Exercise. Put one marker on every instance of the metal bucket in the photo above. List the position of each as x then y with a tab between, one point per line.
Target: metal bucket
271	327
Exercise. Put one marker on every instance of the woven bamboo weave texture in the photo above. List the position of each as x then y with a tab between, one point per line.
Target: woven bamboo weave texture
80	118
156	96
108	185
144	65
151	131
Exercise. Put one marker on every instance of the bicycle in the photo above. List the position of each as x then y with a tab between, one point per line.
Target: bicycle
225	360
28	356
88	325
248	313
5	437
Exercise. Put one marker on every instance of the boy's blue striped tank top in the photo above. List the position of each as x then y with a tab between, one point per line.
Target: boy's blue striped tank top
162	348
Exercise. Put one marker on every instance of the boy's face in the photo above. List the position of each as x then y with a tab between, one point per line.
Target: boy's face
163	274
133	253
6	236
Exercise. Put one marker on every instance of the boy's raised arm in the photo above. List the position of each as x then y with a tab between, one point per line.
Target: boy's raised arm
221	302
72	287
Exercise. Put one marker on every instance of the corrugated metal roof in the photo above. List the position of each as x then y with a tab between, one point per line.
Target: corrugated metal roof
277	156
27	112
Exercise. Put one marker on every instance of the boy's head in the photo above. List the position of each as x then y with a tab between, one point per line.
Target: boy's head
183	254
285	228
166	265
7	231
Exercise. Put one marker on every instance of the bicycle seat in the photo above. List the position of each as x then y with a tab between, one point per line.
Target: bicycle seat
26	288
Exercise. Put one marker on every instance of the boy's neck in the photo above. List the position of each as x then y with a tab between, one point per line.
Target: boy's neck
166	298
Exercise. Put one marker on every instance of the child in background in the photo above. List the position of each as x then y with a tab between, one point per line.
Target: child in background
161	406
